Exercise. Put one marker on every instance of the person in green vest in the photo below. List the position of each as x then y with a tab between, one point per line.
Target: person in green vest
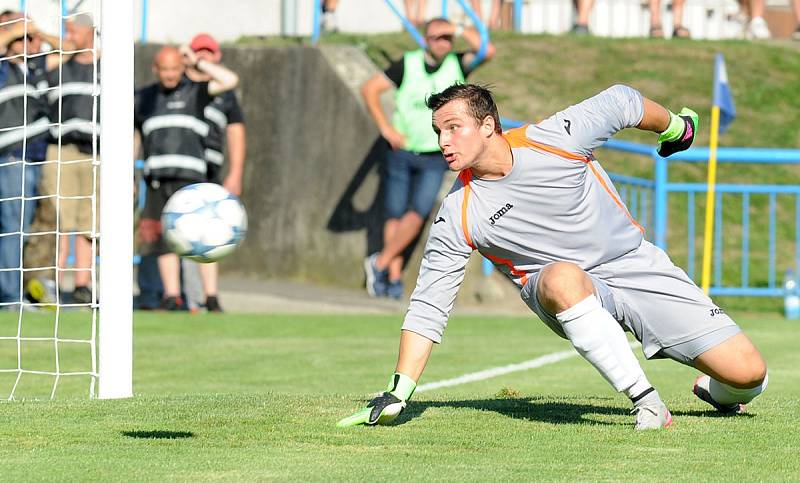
414	165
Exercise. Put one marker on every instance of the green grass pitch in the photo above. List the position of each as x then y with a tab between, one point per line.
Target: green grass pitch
235	397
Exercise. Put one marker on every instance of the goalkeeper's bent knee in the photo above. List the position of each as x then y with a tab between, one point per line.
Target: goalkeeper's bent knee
726	394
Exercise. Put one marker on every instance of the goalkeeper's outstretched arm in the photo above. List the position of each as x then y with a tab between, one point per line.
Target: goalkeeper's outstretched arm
441	273
415	350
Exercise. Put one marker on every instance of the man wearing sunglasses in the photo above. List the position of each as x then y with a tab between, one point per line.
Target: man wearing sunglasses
415	166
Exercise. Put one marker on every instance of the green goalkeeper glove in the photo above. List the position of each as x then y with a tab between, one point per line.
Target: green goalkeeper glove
680	133
386	407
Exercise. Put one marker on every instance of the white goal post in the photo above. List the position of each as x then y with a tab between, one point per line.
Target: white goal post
66	139
115	354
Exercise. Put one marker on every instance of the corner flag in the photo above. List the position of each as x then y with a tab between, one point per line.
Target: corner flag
722	114
722	95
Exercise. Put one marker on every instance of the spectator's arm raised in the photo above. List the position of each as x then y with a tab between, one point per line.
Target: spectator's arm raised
371	91
222	78
473	39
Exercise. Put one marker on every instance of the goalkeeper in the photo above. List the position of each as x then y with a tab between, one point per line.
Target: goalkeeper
536	202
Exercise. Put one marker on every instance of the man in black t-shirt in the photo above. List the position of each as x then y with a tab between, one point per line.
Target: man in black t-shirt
226	135
225	120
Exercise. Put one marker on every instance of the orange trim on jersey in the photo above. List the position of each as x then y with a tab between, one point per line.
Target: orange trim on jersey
466	177
518	139
613	197
512	269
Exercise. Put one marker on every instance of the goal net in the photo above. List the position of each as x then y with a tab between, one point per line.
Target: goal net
65	290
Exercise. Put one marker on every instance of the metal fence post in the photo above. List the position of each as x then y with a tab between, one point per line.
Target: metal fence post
660	201
517	17
315	30
145	11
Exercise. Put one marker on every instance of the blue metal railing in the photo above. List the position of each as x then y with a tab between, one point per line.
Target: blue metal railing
316	19
662	188
410	28
138	166
315	31
479	26
647	199
145	12
518	15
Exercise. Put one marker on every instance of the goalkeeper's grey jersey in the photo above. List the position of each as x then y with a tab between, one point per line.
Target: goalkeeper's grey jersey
556	204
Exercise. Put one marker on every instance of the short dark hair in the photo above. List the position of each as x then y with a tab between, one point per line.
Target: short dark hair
435	20
478	98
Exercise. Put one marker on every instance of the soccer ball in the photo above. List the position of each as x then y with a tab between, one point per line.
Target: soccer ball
203	222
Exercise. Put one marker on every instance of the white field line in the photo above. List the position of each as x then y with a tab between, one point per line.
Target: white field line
501	370
498	371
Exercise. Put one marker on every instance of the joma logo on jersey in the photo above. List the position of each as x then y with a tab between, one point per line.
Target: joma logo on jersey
502	211
716	311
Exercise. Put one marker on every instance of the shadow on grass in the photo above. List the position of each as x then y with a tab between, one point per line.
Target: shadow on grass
159	434
711	413
533	408
546	410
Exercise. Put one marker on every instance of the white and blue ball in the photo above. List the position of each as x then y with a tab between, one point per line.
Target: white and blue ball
204	222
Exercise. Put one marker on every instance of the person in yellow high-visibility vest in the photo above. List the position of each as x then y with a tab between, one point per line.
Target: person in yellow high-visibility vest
415	166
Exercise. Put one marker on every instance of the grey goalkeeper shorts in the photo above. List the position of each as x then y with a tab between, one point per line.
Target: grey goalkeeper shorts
656	301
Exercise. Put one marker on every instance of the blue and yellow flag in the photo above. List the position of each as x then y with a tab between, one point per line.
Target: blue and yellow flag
722	95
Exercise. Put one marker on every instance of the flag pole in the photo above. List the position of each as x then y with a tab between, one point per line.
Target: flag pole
710	199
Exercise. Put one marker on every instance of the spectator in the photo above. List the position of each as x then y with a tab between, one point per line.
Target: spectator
796	9
415	166
415	13
757	28
50	61
224	117
329	23
73	145
678	30
494	13
39	250
583	9
169	116
21	147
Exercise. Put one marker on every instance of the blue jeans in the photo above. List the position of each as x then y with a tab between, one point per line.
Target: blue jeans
149	279
11	216
415	178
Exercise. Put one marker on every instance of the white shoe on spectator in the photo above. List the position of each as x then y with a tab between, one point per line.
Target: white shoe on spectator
329	22
758	29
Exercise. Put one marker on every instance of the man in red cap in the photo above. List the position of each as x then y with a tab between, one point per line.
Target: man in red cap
226	130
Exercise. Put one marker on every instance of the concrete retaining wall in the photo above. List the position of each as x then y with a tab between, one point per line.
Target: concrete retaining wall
311	178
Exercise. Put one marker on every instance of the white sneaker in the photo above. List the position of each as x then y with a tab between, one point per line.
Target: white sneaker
758	29
329	22
652	416
701	390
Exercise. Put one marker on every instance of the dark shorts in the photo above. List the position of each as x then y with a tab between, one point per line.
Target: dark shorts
412	182
158	192
214	173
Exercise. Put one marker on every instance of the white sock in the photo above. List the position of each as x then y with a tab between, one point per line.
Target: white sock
600	340
725	394
622	348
